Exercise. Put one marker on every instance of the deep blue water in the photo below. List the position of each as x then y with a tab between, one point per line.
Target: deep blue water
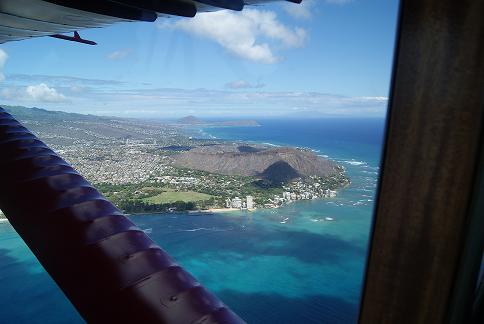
343	138
302	270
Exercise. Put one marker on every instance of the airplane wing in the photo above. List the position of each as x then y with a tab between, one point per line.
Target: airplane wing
23	19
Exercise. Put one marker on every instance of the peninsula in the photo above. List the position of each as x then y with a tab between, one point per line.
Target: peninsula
157	167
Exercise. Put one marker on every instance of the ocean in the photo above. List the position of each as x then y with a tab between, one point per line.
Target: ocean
286	265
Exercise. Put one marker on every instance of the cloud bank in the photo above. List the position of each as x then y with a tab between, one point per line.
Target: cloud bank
240	98
251	34
33	93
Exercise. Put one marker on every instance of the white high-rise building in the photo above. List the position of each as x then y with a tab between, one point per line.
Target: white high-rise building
250	202
236	202
286	195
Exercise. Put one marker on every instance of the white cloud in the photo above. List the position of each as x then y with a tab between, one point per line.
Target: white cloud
3	59
37	93
242	84
118	55
41	92
250	34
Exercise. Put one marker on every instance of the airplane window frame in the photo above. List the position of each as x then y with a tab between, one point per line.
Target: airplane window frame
429	169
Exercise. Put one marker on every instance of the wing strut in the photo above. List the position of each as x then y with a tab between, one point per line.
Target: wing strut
107	266
76	38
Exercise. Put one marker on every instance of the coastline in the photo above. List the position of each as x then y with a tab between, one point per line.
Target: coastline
224	210
303	192
198	211
292	245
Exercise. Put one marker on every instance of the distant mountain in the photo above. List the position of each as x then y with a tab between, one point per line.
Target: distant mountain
280	164
39	114
192	120
62	128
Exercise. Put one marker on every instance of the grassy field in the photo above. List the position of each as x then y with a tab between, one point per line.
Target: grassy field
173	196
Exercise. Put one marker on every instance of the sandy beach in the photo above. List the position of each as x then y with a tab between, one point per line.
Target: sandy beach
223	210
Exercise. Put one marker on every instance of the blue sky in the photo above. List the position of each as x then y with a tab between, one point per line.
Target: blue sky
324	58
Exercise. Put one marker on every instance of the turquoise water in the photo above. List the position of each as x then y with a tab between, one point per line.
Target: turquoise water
28	294
288	265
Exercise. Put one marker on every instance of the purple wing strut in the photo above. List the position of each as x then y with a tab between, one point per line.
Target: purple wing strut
109	269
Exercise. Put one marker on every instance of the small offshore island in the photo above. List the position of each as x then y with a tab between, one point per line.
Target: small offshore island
146	167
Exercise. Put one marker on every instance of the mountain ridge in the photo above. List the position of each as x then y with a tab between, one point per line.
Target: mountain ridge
280	164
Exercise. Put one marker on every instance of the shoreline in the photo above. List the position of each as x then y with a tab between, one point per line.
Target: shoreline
204	129
223	210
199	211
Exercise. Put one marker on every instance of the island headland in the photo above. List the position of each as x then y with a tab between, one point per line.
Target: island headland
163	166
